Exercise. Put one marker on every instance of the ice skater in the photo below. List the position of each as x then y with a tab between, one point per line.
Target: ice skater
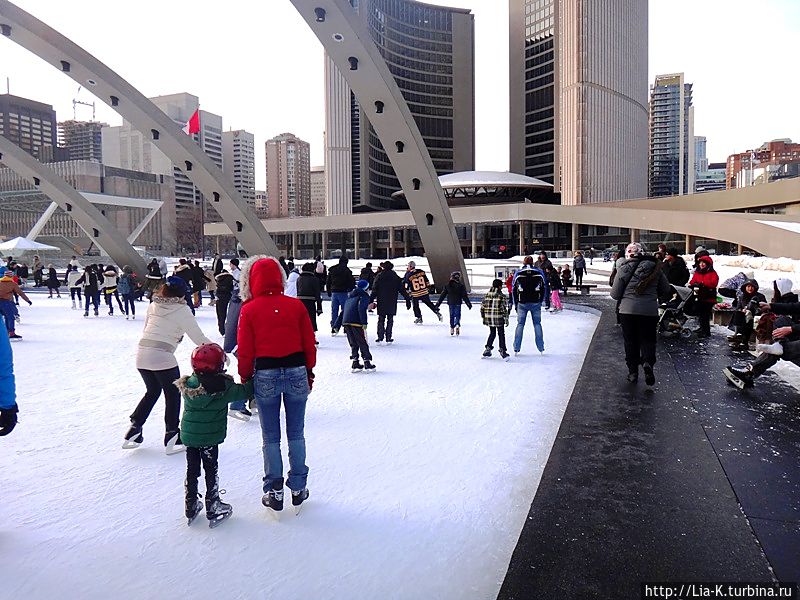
53	284
9	289
418	287
71	281
494	312
355	326
206	395
456	292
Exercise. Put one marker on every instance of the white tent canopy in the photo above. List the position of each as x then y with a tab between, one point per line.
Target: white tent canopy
21	245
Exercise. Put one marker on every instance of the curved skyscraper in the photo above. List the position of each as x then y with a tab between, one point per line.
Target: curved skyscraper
430	51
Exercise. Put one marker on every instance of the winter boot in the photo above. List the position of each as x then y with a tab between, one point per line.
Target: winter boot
134	437
298	497
368	366
633	376
172	442
649	376
487	352
273	499
217	511
356	367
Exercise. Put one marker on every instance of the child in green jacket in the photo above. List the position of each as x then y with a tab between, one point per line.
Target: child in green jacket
206	394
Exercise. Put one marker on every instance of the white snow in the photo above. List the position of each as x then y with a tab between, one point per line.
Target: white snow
421	474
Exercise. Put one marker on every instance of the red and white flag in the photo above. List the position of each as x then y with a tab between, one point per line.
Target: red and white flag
193	124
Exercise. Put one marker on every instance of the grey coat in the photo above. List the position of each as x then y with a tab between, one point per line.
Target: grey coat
629	274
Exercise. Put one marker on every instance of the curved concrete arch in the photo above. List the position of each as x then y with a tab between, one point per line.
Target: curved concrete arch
34	35
348	43
86	215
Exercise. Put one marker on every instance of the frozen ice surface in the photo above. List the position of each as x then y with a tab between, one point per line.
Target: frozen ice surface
421	474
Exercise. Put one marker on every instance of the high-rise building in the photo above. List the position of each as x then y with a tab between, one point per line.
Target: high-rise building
672	143
82	139
127	148
778	159
288	177
29	124
430	51
318	198
239	162
261	204
700	156
578	96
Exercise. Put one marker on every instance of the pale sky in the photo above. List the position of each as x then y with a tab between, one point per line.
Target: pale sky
258	65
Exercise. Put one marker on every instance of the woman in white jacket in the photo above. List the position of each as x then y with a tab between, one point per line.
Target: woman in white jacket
168	319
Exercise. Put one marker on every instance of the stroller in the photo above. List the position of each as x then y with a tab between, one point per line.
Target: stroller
672	315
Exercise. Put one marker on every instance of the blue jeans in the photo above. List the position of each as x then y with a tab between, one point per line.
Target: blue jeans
7	309
91	298
455	315
337	309
522	316
270	386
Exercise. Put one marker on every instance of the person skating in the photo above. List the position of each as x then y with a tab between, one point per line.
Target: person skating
71	281
211	285
291	280
554	281
339	284
456	292
109	287
747	299
217	265
9	289
90	281
277	350
153	279
530	292
418	287
168	320
238	409
638	285
355	326
38	272
199	283
704	282
224	285
126	286
578	268
8	390
368	274
309	293
494	312
385	289
185	271
206	395
52	283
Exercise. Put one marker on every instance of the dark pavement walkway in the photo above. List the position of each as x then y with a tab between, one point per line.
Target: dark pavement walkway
693	480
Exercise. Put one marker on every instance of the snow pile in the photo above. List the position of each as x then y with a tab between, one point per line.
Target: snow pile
421	474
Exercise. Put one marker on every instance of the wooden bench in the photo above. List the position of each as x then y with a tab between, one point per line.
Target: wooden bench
584	288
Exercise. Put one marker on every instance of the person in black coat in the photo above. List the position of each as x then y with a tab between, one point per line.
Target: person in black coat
385	289
368	274
675	268
309	292
199	283
216	265
456	292
748	298
340	283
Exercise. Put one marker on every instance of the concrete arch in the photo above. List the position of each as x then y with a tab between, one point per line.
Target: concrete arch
88	216
350	46
34	35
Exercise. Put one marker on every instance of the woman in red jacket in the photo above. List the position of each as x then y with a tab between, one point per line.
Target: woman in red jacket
705	281
277	350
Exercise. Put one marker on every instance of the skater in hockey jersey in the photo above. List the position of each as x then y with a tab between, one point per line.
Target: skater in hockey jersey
206	395
417	286
355	326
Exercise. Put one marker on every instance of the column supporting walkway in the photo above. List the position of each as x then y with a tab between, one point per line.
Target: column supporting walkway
692	481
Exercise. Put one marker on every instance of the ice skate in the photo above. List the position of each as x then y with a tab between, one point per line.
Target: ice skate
96	312
193	508
86	314
17	319
458	330
273	499
379	341
487	352
439	316
649	376
134	437
242	414
369	367
14	337
172	443
73	305
217	511
418	321
504	355
111	313
741	378
389	340
334	331
298	497
452	331
356	367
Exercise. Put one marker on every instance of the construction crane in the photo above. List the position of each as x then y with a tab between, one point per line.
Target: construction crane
75	103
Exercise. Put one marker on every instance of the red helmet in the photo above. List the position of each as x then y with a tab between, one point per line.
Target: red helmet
208	359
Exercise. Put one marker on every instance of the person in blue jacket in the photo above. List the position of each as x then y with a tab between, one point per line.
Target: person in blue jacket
355	326
8	393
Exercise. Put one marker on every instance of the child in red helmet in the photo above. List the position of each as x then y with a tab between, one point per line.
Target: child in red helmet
206	394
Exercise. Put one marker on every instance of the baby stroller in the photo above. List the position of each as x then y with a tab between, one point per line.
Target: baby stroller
672	315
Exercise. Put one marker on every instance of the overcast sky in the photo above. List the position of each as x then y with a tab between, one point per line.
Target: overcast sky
258	65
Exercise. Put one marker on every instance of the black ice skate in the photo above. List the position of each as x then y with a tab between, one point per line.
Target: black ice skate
217	511
458	330
273	499
369	367
504	355
193	508
741	378
298	497
418	321
356	367
487	353
172	443
134	437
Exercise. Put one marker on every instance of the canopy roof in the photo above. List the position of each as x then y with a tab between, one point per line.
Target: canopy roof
21	244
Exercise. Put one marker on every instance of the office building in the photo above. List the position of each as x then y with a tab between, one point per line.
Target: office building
318	198
712	179
288	177
578	96
430	51
778	159
261	204
82	139
700	157
29	124
239	162
672	143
